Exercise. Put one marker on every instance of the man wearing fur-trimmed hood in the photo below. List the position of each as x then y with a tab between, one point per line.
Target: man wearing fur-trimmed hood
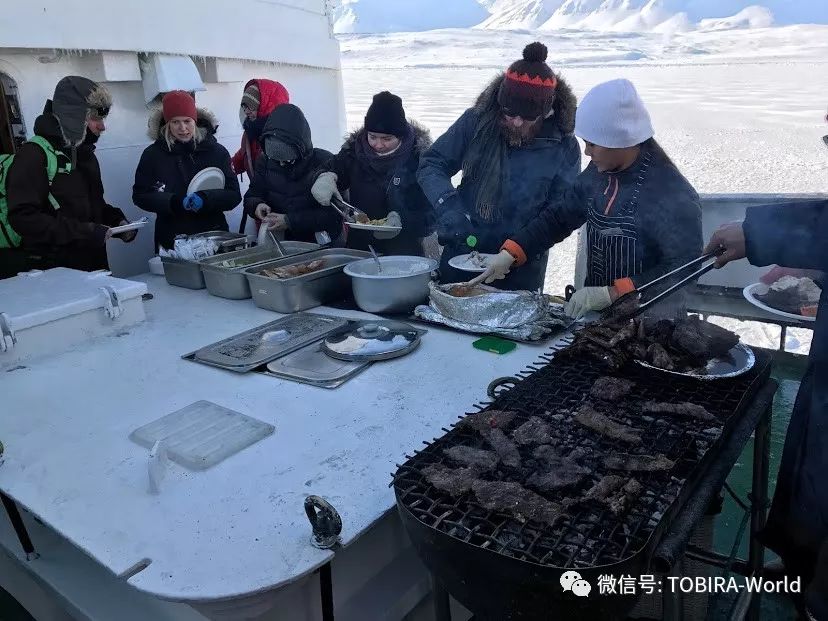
65	222
517	151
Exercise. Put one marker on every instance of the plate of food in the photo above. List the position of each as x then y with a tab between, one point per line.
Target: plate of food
471	262
132	226
789	297
389	224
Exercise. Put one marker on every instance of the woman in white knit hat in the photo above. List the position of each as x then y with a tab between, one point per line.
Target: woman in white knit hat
643	217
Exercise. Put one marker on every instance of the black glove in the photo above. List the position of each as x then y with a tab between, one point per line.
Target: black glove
452	224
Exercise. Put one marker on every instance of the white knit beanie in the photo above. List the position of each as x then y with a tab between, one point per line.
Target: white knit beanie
612	115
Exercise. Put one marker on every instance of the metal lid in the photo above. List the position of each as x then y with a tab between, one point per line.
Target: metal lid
372	340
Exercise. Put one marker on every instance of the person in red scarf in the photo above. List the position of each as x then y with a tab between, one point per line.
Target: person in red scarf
260	98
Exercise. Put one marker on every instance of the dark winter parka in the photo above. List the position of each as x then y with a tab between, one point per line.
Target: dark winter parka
532	176
164	173
378	186
73	235
287	189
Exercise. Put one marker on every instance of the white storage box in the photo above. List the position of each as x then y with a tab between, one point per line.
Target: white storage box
49	312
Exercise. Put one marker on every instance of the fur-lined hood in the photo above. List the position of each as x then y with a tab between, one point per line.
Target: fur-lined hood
422	136
206	121
72	105
564	107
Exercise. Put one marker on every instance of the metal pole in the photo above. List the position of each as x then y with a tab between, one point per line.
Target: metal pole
19	527
759	501
442	607
326	587
782	337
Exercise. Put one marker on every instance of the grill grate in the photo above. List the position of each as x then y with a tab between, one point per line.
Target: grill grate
589	535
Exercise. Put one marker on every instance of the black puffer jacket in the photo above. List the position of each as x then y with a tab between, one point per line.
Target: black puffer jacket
378	191
287	189
164	173
72	236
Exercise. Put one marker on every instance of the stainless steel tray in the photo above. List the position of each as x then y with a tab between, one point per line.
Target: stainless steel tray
290	295
226	240
182	273
258	346
224	273
310	365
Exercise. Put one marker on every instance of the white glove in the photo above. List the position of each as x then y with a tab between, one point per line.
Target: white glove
499	266
588	299
324	189
392	219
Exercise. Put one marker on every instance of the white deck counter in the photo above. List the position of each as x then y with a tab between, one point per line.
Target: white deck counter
239	527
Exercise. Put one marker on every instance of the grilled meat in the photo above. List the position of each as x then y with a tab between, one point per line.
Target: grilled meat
658	357
489	419
685	410
533	431
626	333
627	496
291	271
472	457
611	388
504	447
623	308
605	488
515	499
455	481
591	419
638	463
701	339
555	470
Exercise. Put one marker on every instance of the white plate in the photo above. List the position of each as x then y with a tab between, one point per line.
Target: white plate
459	262
738	361
374	227
132	226
750	293
211	178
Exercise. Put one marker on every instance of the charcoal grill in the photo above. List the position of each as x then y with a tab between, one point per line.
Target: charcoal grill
501	568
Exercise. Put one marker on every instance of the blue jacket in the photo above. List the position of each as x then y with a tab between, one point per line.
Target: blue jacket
796	235
537	173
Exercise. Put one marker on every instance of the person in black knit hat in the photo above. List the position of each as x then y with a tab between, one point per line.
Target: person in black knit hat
377	165
517	151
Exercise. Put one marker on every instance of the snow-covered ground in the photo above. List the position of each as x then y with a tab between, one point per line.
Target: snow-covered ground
738	111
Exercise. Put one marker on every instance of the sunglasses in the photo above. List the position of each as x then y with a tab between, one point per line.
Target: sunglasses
526	119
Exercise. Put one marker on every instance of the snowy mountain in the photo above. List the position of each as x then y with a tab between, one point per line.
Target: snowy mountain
382	16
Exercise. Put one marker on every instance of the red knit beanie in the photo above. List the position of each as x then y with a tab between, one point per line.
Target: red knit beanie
528	89
178	103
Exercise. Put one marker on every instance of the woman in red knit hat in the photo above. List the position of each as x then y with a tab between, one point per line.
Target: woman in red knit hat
184	144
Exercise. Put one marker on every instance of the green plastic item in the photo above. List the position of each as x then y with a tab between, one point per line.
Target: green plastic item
471	241
494	345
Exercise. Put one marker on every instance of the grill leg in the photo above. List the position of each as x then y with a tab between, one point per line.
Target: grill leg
19	527
326	588
672	602
442	607
782	338
759	501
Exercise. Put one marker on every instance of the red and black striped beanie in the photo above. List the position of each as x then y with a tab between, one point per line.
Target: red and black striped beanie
528	89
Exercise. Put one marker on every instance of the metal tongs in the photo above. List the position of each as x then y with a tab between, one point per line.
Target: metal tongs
348	211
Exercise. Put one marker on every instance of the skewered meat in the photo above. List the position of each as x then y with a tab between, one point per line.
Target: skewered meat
611	388
455	481
533	431
703	340
489	419
638	463
591	419
629	493
659	357
686	410
472	457
513	498
291	271
504	447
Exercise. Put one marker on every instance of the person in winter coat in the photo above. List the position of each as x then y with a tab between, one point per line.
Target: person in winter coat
378	166
517	153
643	217
280	190
260	98
796	236
184	145
66	224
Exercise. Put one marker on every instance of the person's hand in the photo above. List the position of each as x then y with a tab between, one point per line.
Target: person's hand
324	189
730	239
126	236
262	211
193	202
107	233
777	272
498	268
453	226
588	299
392	219
276	222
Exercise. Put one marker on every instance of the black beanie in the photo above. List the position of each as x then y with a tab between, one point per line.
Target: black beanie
386	116
528	89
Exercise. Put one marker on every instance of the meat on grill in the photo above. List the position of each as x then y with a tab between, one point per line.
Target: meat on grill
555	470
513	498
611	388
504	447
658	357
291	271
627	496
455	481
605	488
473	457
623	308
626	333
591	419
702	339
489	419
638	463
533	431
684	410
